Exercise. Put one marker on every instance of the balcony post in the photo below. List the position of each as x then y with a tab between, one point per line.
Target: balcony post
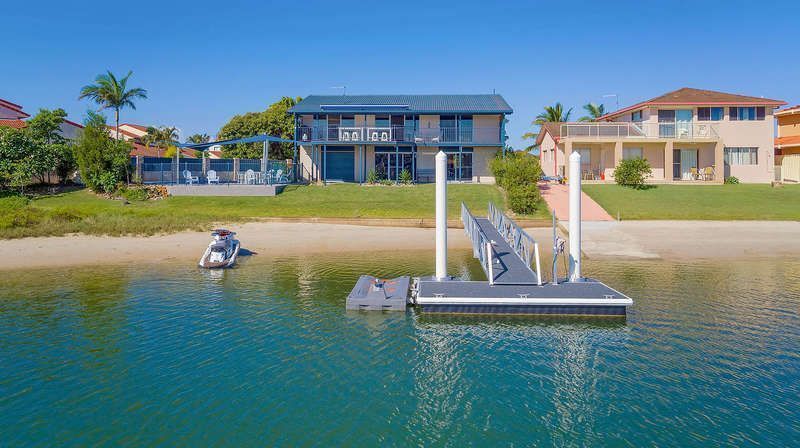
668	160
719	161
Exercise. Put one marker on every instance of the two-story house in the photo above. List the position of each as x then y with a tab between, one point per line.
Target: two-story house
345	137
686	135
788	140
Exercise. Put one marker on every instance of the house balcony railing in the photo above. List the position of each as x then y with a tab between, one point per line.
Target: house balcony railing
400	134
686	130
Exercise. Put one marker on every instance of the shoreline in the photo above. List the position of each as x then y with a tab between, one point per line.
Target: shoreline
645	240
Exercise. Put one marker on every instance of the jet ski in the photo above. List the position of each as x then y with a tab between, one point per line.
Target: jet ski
222	251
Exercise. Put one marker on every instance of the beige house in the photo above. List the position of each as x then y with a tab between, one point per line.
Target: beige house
788	140
688	135
344	138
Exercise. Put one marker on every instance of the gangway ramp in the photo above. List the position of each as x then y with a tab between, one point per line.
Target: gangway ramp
504	250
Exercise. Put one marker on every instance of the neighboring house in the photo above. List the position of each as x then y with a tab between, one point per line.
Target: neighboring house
11	115
344	137
683	134
788	140
128	131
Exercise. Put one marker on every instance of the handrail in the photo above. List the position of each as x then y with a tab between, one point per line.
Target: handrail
481	244
526	248
620	129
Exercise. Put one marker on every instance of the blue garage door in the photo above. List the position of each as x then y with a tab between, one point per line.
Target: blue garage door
340	163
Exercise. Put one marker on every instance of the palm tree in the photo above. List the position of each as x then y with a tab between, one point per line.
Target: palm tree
168	134
553	113
595	111
111	93
199	138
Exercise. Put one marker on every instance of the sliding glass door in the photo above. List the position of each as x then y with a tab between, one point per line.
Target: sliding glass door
683	160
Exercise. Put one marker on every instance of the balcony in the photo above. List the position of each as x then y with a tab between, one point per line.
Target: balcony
400	134
681	130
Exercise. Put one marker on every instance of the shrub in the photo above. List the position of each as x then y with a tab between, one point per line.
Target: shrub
372	177
524	199
632	172
103	162
405	177
134	194
517	173
731	180
516	168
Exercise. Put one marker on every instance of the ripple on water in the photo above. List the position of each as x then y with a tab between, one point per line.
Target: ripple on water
266	354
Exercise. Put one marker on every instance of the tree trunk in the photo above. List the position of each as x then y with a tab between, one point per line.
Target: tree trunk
116	119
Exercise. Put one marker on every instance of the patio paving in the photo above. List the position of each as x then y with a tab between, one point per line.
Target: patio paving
557	198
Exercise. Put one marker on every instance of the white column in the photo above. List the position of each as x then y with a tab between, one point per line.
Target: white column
441	216
575	217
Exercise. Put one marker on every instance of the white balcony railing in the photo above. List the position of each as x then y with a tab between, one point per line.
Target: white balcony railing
677	130
422	137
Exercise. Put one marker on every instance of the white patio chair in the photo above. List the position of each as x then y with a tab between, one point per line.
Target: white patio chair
250	177
280	178
374	136
187	175
435	140
384	136
211	177
346	136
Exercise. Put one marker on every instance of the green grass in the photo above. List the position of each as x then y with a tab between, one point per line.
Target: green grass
700	202
83	212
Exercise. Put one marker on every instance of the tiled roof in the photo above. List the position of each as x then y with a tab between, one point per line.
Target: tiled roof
793	109
792	140
689	96
434	104
552	128
16	124
135	126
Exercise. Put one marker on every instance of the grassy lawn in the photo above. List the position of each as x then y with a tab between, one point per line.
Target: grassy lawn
83	212
700	202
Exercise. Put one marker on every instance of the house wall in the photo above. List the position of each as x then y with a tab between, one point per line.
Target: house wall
789	125
758	133
546	151
481	157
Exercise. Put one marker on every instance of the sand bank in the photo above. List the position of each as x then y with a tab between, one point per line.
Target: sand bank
633	239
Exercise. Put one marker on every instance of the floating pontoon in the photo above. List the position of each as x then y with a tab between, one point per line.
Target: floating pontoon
507	255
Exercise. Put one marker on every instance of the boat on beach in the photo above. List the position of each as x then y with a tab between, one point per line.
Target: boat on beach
222	251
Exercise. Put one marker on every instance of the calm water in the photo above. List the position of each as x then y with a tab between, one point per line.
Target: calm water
265	354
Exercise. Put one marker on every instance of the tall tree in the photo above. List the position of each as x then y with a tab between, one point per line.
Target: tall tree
553	113
103	162
111	93
274	121
595	111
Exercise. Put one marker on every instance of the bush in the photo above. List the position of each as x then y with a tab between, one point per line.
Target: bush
632	173
731	180
524	199
517	173
134	194
372	177
405	177
103	162
516	168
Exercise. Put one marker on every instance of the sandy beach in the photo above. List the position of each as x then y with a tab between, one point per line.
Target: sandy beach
633	239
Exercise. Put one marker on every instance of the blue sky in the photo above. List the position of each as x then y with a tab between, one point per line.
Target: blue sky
203	62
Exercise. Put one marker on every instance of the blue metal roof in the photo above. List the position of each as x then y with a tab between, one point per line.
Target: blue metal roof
411	104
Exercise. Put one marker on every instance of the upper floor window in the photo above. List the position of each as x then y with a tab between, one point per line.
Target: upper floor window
382	121
747	113
447	121
636	117
666	116
348	120
709	113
